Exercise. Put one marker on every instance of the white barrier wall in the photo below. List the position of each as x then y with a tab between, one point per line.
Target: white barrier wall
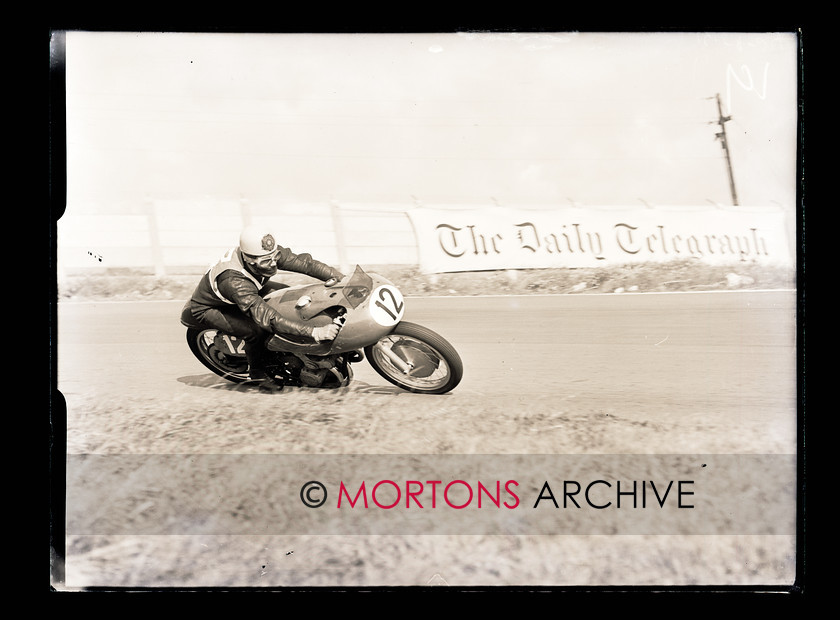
504	238
170	236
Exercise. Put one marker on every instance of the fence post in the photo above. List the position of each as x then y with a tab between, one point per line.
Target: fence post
154	238
244	211
338	228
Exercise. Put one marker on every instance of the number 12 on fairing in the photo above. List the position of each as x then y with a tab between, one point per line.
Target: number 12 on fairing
388	306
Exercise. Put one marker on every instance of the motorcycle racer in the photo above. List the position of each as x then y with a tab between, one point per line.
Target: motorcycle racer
228	297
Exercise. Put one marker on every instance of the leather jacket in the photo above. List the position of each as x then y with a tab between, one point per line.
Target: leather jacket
229	283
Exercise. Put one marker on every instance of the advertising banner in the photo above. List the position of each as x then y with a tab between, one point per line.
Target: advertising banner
507	238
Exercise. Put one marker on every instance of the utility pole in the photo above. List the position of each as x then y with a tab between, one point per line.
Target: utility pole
721	135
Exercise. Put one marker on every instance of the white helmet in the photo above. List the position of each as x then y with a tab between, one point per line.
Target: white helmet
257	241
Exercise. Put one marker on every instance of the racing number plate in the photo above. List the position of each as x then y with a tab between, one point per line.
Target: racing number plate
387	305
231	345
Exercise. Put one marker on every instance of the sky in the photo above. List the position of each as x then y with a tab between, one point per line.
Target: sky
513	119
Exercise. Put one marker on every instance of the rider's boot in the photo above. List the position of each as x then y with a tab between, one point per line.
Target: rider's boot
264	382
256	370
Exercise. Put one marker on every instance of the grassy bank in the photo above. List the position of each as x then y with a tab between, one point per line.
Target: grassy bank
673	276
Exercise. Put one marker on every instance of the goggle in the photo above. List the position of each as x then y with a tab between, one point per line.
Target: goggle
261	261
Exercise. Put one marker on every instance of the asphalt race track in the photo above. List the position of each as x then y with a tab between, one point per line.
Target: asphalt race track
638	374
728	358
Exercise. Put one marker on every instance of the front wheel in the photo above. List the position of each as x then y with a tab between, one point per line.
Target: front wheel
416	359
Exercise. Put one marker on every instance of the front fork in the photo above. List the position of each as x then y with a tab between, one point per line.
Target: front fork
396	360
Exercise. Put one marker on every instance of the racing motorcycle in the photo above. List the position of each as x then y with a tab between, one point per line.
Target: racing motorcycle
368	310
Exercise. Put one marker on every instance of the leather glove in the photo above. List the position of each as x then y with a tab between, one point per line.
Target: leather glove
325	332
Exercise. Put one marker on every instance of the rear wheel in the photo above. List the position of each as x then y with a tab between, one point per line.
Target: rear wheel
215	356
416	359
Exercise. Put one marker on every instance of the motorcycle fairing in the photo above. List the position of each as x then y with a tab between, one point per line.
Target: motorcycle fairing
319	305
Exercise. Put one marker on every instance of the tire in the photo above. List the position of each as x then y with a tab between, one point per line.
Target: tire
436	365
230	367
